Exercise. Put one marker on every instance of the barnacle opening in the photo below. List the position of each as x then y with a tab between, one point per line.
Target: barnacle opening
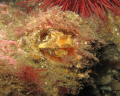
53	44
56	43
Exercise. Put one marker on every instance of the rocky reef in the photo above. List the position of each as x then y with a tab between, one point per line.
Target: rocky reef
52	53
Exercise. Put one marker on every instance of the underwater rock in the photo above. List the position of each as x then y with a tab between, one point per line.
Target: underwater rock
63	43
105	80
115	85
106	88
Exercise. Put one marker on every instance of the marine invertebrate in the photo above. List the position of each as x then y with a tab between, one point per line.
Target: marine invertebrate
62	45
58	39
85	8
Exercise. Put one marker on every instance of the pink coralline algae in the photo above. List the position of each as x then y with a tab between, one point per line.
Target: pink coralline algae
9	48
6	50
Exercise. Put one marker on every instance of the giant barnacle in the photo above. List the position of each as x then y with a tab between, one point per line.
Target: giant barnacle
60	37
63	43
55	45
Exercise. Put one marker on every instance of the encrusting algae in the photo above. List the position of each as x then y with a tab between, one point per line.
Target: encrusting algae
56	50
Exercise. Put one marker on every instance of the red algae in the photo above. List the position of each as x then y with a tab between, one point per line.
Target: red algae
28	73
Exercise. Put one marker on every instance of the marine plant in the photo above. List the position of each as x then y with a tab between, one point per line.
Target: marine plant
84	8
28	73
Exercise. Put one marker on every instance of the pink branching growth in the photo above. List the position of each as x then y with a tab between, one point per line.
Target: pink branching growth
27	4
28	73
85	8
56	19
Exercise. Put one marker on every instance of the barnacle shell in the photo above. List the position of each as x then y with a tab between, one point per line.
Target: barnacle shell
57	39
60	37
59	42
